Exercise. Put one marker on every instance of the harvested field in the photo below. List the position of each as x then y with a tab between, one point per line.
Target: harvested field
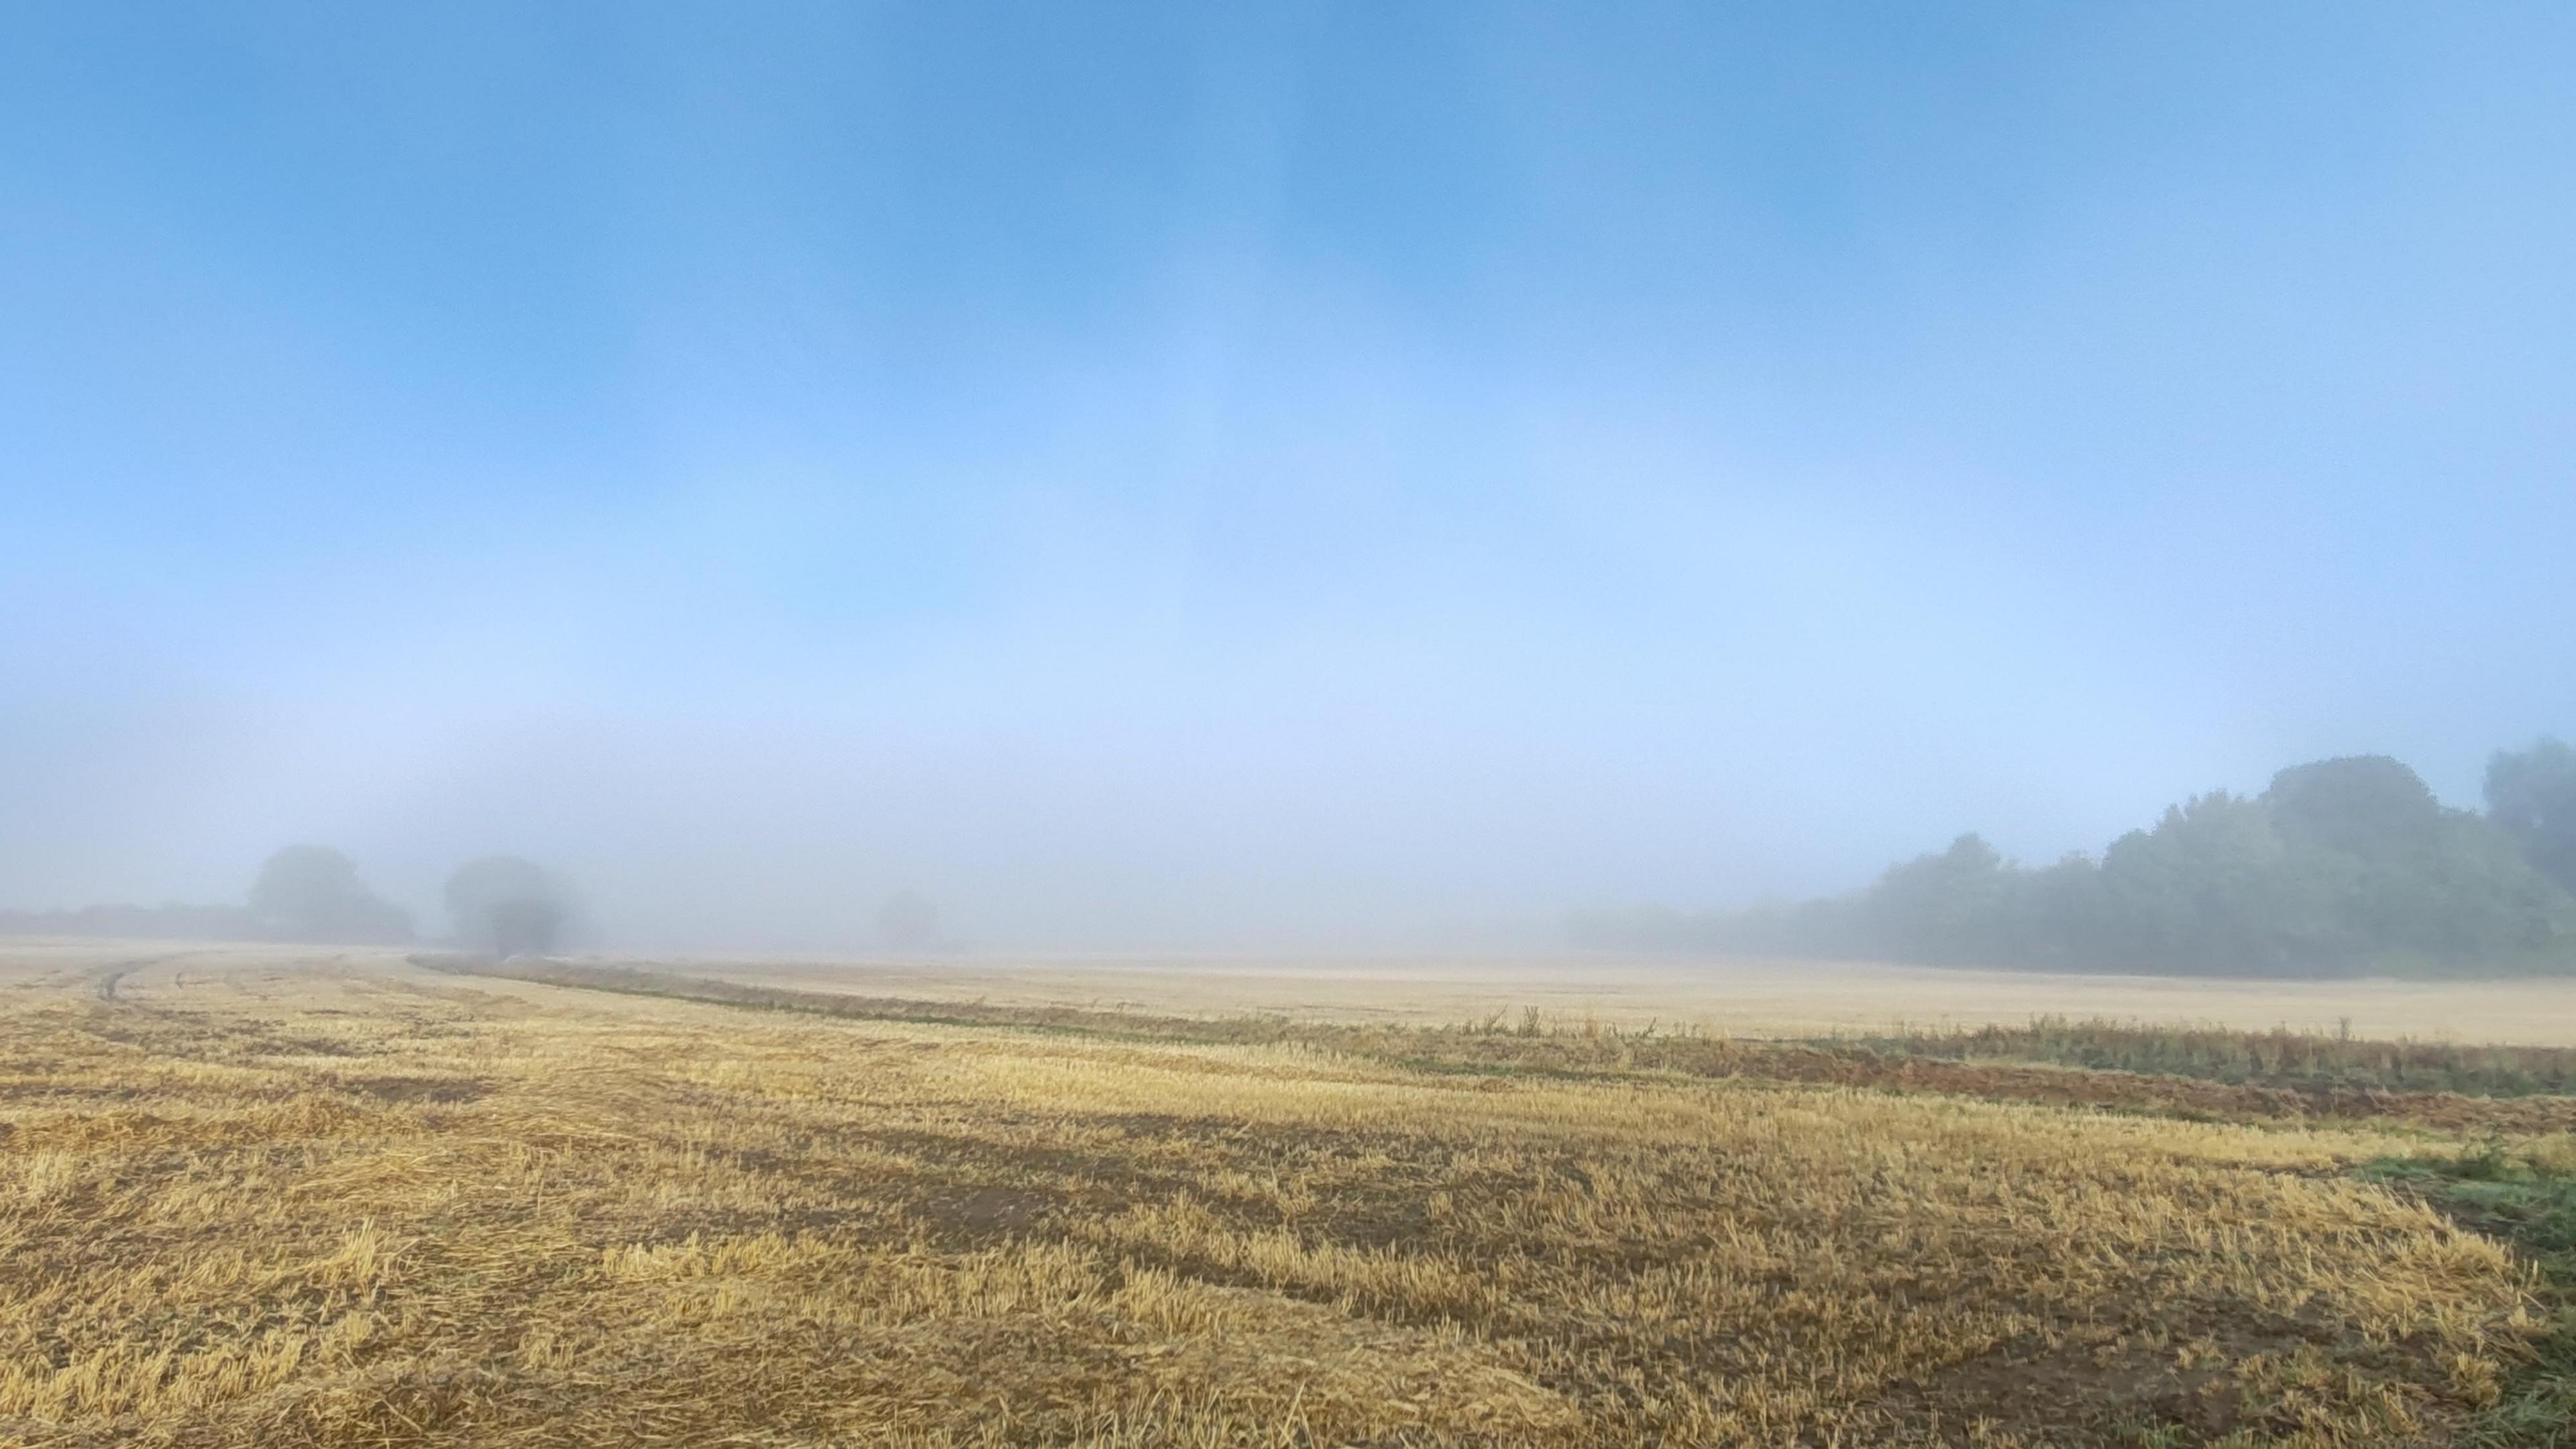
248	1198
1732	996
2215	1074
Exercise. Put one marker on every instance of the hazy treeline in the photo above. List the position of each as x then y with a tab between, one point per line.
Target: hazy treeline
173	921
2342	866
498	903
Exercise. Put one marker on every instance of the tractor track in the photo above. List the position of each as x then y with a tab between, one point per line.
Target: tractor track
108	980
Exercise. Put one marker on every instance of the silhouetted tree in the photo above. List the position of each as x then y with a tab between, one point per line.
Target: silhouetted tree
908	921
2532	795
310	893
509	906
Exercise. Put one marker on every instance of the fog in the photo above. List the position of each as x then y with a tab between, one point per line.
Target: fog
1314	479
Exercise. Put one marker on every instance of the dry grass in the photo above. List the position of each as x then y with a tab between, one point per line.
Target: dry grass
1736	996
2203	1073
275	1204
2279	1057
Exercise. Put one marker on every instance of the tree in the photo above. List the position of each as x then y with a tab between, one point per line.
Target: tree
2531	794
908	921
2368	806
509	906
1940	907
311	893
2202	891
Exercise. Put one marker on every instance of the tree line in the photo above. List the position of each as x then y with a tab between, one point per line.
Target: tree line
497	903
2346	866
502	904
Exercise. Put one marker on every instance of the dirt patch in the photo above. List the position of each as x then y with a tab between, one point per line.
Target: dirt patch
411	1089
991	1209
2032	1390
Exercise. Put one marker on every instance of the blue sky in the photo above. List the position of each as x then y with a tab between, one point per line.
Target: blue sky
1232	474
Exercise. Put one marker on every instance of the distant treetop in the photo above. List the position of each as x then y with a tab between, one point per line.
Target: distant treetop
509	906
2532	795
312	893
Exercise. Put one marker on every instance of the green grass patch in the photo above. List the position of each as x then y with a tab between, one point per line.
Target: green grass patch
2525	1194
2276	1058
